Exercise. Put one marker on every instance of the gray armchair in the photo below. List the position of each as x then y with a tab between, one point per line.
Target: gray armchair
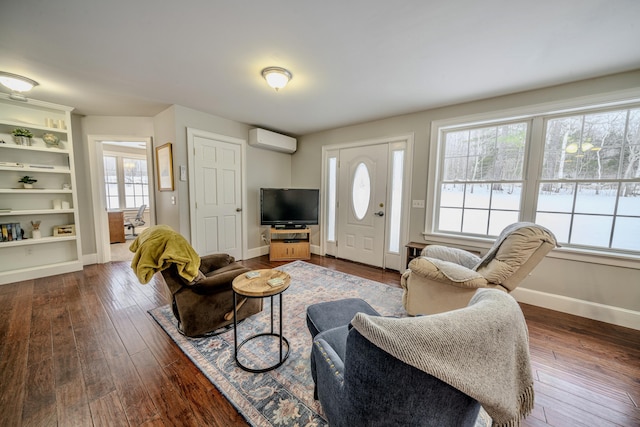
422	371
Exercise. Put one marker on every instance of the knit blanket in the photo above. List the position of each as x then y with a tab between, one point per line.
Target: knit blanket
157	248
482	350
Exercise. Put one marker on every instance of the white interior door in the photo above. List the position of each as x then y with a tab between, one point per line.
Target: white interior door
361	206
217	187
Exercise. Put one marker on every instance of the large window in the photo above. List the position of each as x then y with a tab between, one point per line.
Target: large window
576	173
126	181
482	177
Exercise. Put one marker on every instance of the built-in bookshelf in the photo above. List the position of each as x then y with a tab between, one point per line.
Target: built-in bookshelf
50	204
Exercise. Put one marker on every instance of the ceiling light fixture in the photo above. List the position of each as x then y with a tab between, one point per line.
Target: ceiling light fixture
17	84
276	77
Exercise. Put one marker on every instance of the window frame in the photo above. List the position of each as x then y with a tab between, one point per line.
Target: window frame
536	115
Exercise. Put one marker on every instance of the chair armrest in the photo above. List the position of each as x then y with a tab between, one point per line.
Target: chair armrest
209	263
329	369
217	282
455	255
444	272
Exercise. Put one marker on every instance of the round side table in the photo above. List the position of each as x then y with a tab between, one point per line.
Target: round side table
258	287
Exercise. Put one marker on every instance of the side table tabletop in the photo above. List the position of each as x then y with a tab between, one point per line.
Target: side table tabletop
258	287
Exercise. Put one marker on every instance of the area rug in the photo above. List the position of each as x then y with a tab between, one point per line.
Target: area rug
284	396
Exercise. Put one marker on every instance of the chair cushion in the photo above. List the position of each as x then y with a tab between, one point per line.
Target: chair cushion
332	314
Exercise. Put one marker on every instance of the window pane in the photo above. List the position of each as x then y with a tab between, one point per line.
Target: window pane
554	197
331	200
450	220
452	195
361	191
559	224
455	169
627	234
396	201
596	198
475	221
477	196
507	197
591	230
629	201
499	220
136	186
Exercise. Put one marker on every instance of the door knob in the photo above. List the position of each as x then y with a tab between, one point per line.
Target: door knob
379	213
238	209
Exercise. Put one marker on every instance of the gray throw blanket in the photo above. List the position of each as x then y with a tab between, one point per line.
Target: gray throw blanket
482	350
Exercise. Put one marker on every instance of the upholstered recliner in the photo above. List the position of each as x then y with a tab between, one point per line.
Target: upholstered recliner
422	371
201	307
445	278
202	298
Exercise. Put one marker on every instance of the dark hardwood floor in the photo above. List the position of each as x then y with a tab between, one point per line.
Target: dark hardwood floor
80	349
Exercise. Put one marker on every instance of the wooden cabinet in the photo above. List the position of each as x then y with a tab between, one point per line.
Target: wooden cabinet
289	244
116	227
51	203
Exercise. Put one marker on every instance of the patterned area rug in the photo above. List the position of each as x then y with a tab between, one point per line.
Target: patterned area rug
284	396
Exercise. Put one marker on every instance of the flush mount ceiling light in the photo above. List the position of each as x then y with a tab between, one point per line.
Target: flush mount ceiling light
17	84
276	77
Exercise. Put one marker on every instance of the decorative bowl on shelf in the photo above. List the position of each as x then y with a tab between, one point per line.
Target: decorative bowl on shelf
51	140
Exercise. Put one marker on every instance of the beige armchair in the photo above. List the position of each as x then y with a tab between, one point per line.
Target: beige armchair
444	279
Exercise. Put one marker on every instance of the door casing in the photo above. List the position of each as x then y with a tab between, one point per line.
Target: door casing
393	261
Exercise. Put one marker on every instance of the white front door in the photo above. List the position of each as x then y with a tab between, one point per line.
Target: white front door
217	189
361	204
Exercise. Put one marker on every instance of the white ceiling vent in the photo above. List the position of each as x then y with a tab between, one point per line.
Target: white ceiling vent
272	141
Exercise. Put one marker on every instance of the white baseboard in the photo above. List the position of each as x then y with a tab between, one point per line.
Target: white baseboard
256	252
590	310
88	259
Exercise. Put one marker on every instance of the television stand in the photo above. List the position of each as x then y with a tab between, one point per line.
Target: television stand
289	244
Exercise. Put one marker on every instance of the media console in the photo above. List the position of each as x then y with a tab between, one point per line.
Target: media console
289	244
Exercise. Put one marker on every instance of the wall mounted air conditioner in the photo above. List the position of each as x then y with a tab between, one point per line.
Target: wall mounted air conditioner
272	141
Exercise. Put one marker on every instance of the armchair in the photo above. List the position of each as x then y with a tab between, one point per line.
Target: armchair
201	294
444	278
205	305
424	371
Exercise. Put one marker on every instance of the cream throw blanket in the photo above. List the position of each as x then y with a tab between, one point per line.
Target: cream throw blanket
482	350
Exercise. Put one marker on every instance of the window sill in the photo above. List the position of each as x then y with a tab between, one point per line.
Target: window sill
570	254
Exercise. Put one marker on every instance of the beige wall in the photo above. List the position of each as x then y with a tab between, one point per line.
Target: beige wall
263	168
597	283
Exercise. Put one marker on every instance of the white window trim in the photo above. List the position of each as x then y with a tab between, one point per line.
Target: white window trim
607	100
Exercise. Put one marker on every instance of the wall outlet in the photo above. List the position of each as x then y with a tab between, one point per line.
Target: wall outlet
417	204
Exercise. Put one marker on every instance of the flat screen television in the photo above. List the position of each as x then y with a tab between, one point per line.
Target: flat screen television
289	207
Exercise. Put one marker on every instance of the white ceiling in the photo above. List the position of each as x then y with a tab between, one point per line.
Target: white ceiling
352	61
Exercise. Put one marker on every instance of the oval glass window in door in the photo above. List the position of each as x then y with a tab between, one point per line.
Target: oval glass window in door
361	191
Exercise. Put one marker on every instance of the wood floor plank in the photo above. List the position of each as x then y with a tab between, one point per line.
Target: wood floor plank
13	365
107	411
171	405
132	393
205	400
72	406
39	407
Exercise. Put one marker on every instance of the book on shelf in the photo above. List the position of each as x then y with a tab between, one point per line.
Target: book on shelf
10	232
